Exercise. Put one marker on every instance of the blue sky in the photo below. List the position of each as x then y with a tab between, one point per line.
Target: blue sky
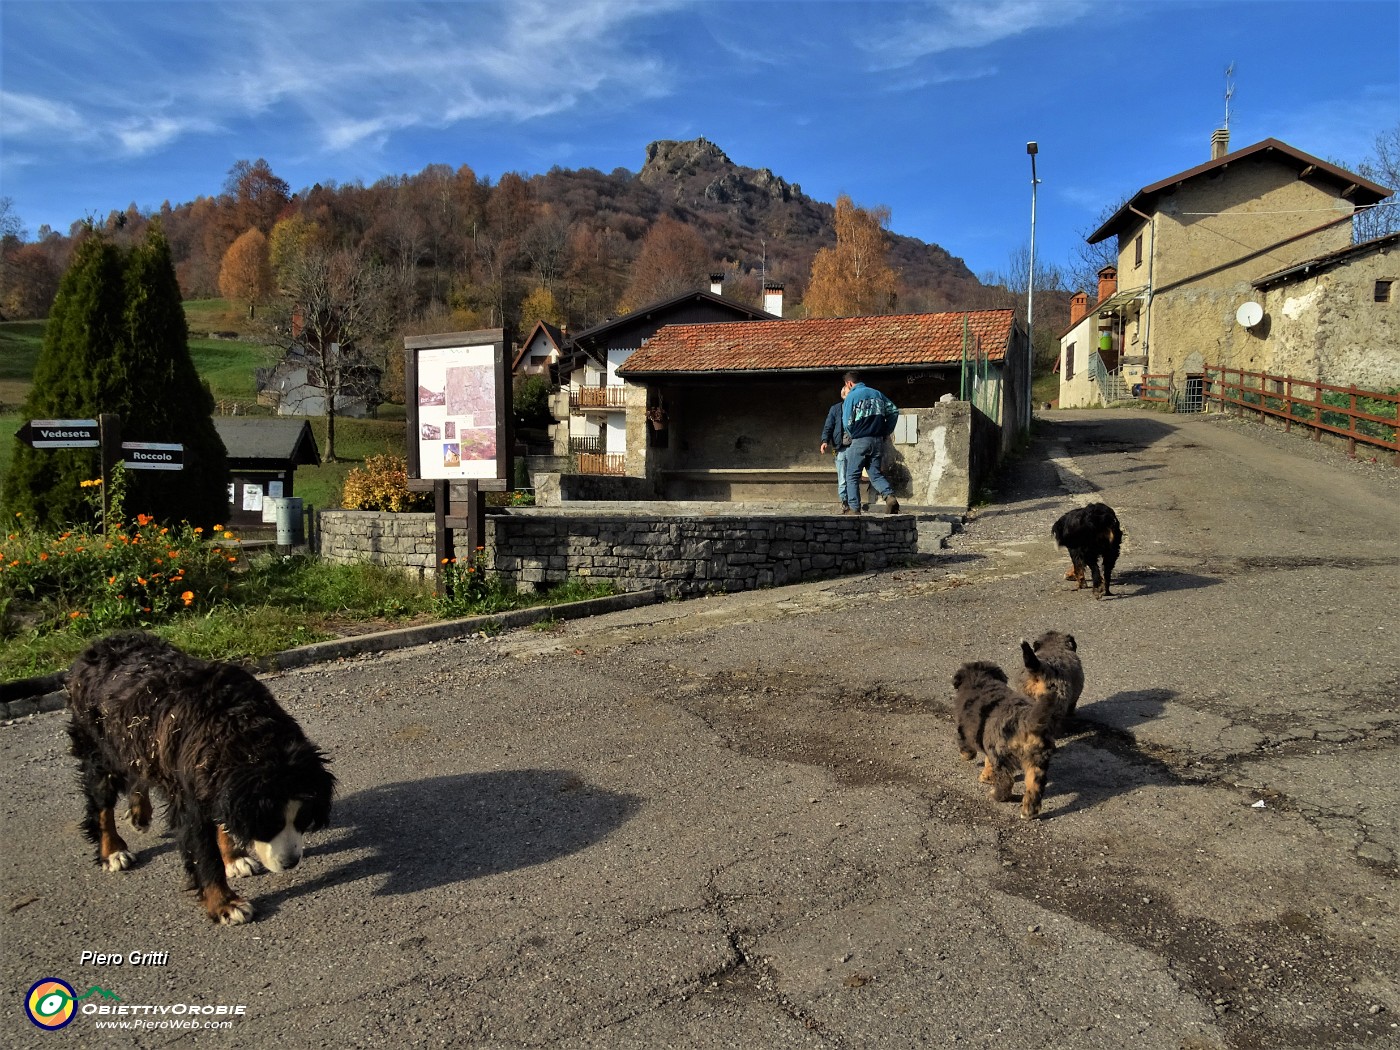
925	108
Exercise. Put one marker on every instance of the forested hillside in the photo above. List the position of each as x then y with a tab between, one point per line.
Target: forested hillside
573	247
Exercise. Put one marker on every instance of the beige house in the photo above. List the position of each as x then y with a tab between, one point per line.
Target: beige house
1191	251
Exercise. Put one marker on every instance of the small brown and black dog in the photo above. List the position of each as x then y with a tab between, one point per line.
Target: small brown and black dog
1011	731
1091	534
1054	674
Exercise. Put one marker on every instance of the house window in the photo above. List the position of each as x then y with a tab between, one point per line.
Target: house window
1069	362
1137	251
1383	291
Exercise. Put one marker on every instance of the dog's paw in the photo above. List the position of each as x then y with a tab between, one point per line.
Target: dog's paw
1028	813
234	912
119	860
967	754
242	866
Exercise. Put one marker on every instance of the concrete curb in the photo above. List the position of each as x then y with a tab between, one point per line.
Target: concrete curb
407	637
23	705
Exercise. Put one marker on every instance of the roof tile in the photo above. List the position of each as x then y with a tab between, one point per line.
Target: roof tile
823	343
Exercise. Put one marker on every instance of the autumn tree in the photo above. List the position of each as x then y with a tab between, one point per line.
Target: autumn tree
335	316
254	196
539	305
246	273
673	259
854	278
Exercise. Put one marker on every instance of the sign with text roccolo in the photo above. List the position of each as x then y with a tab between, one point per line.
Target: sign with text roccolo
60	433
150	455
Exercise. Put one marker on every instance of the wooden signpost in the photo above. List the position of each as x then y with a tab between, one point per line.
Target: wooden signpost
459	429
105	433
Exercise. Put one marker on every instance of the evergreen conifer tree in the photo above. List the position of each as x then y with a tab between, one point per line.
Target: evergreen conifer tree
77	359
161	398
116	342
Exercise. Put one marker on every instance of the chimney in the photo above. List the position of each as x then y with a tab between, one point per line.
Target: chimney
773	298
1219	143
1078	307
1108	283
716	284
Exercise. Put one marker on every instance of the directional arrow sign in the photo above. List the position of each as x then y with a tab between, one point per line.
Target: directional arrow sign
60	433
148	455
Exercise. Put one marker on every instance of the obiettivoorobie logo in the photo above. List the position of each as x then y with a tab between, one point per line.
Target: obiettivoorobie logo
52	1003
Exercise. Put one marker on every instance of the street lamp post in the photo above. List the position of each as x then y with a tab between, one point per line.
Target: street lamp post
1032	149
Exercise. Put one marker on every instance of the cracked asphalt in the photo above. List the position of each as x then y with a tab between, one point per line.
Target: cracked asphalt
743	821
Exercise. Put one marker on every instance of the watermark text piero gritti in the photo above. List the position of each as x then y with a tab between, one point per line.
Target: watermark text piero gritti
118	959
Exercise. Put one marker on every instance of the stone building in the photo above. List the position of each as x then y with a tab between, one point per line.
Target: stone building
1192	251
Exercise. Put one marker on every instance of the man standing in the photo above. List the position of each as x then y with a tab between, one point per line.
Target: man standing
833	435
866	415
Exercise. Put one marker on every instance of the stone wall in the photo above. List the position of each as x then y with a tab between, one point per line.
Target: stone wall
683	554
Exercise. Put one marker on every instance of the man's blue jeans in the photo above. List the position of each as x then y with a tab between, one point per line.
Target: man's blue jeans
864	454
841	474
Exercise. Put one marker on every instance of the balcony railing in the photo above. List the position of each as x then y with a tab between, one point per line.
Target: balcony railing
586	444
601	463
597	397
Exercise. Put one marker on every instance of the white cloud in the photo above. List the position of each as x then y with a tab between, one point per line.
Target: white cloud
342	76
30	115
958	25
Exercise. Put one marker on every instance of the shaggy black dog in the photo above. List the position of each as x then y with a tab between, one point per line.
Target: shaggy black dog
1091	534
1054	674
243	783
1012	732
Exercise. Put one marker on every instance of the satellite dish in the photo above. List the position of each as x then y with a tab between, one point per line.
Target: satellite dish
1249	314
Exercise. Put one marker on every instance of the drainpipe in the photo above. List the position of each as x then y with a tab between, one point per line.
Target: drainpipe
1151	286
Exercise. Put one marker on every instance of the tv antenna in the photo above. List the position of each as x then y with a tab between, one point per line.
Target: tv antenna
1229	91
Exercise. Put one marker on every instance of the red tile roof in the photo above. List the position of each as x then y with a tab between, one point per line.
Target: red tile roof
824	343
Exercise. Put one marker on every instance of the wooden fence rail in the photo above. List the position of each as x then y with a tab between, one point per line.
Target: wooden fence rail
1369	416
1156	387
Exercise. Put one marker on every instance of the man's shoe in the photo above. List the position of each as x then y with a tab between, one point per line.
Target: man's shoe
891	504
849	510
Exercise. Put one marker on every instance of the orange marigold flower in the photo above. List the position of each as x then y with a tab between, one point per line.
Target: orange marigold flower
43	555
141	580
74	614
111	580
187	597
198	531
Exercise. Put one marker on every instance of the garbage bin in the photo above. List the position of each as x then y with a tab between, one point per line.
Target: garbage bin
289	517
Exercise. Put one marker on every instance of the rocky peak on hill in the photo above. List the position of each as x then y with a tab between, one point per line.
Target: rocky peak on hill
688	172
745	207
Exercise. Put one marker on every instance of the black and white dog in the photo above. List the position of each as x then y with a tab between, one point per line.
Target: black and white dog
242	782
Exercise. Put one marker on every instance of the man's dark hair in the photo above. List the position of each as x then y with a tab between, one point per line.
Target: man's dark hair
851	377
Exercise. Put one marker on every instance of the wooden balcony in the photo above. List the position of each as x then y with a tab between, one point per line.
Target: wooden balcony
611	463
612	398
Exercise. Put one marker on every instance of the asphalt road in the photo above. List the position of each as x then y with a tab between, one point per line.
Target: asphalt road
742	821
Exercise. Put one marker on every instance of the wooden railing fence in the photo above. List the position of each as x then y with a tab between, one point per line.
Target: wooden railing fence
1368	416
1156	387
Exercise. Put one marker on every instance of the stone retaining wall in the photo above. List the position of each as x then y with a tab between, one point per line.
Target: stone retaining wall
683	555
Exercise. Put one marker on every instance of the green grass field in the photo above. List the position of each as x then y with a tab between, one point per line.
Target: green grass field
229	366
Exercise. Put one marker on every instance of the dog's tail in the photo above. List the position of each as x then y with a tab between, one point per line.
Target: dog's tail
30	688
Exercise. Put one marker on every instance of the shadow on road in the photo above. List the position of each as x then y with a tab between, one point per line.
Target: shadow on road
1158	581
422	834
1106	760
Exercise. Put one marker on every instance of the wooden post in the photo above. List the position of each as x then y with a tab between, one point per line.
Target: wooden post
442	535
110	428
